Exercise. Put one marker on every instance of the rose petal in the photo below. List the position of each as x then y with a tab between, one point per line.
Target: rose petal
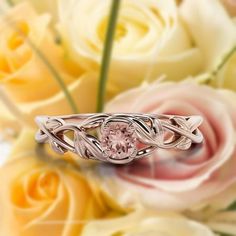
213	37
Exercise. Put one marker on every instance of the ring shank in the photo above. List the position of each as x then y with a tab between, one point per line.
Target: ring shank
154	130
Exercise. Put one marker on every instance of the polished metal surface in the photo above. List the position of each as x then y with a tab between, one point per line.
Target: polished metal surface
152	131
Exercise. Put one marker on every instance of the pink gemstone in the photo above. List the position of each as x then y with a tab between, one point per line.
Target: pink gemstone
119	140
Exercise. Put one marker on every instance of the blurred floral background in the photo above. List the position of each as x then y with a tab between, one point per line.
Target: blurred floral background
152	56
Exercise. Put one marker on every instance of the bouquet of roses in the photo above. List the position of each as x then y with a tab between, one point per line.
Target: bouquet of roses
142	56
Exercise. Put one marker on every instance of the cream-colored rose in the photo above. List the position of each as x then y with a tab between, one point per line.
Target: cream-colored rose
223	222
145	223
214	33
39	197
22	72
170	179
150	39
212	29
219	213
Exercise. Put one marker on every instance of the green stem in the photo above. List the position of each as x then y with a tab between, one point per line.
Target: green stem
212	75
224	61
56	76
107	51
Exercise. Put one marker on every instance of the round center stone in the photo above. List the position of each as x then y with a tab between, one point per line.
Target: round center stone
118	140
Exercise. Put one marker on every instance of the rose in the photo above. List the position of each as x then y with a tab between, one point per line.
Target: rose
43	6
218	212
22	72
57	104
221	221
214	36
150	39
16	114
144	49
170	179
214	33
148	224
38	197
30	86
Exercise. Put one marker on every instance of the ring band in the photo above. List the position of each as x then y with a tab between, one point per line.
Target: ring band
118	138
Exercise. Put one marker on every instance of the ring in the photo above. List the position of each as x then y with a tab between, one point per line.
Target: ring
118	138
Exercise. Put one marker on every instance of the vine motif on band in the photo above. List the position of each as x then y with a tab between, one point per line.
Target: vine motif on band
151	132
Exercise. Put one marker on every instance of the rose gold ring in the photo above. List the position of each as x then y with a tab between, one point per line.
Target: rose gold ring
118	138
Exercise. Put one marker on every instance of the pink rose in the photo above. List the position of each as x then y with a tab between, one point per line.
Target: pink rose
171	179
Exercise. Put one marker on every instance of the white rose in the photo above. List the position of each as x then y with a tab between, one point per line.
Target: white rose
145	223
214	33
150	39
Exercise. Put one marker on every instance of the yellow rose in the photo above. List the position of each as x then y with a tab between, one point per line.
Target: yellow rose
24	113
150	39
26	80
39	197
22	72
43	6
146	224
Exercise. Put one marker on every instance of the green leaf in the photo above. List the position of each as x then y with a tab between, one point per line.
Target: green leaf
223	234
232	207
107	51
